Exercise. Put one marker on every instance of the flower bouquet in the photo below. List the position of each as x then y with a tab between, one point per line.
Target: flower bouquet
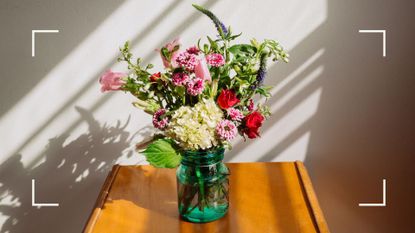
200	102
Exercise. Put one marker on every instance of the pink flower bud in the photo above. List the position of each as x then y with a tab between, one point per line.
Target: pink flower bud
170	47
111	81
202	71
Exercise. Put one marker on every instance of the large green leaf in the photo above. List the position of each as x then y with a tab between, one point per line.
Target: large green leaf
161	153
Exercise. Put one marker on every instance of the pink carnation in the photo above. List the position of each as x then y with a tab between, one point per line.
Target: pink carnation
235	114
111	81
187	60
160	121
180	79
226	130
193	50
215	59
195	86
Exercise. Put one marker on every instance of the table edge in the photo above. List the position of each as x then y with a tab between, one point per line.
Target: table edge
105	189
311	197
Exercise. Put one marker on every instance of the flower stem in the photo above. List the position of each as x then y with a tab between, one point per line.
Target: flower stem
201	188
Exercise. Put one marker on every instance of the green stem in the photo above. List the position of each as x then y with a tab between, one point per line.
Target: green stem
226	52
201	188
186	198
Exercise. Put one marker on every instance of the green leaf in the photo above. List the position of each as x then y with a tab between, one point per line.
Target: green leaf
206	48
176	48
149	66
234	36
161	153
240	49
263	92
213	44
165	52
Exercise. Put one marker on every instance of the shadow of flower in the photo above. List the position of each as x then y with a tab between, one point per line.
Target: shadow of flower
71	175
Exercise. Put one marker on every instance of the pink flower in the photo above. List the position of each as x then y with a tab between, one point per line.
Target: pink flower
171	47
195	86
193	50
215	59
235	114
159	120
180	79
112	81
187	60
226	130
251	105
202	71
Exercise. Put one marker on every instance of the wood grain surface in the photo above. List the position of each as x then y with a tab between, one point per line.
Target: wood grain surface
264	197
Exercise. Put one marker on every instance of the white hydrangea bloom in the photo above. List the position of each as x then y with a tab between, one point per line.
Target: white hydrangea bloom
195	128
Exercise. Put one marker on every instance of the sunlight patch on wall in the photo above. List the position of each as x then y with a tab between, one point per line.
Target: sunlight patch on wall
296	89
284	82
289	22
296	151
283	128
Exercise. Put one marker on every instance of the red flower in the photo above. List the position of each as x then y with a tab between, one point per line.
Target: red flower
253	122
154	77
227	99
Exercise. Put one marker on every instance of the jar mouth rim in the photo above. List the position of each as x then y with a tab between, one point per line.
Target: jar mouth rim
212	151
206	157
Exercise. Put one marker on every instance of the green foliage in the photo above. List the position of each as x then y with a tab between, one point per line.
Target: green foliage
161	153
243	72
243	50
264	110
245	63
272	48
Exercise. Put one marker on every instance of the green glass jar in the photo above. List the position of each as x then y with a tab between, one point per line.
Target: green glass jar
203	185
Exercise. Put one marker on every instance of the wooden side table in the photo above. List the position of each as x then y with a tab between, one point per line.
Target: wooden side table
264	197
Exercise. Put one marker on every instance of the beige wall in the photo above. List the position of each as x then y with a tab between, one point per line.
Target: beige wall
338	105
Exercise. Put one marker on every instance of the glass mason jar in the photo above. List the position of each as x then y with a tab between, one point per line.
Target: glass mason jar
203	185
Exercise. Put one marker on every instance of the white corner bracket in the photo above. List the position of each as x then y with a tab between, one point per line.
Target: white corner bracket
40	204
383	37
34	35
383	204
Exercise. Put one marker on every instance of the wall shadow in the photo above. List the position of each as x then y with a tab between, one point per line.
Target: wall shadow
19	18
70	175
